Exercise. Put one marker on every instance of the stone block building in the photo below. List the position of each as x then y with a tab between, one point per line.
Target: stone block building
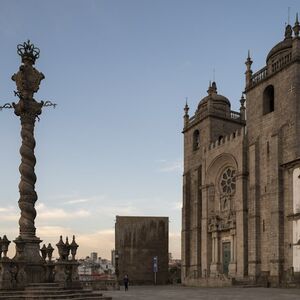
138	240
241	186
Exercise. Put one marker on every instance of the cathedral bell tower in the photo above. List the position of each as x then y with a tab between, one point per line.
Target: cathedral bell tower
273	127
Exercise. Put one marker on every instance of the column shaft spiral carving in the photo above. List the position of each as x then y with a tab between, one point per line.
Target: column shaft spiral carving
28	195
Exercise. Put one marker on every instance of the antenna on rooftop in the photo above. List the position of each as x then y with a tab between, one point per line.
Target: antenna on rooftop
214	74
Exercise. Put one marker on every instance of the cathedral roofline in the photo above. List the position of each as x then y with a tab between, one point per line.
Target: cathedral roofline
213	98
264	74
235	117
280	56
284	45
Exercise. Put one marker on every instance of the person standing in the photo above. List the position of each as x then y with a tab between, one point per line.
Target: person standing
126	282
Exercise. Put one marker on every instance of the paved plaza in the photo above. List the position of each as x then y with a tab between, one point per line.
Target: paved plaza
189	293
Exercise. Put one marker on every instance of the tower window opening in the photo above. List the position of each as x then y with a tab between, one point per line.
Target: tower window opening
196	139
268	100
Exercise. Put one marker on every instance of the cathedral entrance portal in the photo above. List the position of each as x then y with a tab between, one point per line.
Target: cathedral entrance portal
226	256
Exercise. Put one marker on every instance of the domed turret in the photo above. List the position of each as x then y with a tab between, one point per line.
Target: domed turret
283	47
214	102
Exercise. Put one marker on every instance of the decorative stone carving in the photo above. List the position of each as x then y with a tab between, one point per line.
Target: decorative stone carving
50	250
65	270
223	222
4	245
44	252
21	276
73	248
60	274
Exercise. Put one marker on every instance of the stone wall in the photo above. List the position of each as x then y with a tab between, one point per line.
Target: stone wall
138	240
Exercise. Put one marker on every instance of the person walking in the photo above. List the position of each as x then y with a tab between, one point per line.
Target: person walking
126	282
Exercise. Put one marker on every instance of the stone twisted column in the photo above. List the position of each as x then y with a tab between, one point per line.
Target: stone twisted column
27	80
31	265
28	195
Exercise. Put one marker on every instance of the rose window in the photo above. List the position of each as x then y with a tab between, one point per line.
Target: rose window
228	181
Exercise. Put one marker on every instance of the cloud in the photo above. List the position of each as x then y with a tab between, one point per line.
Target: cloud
77	201
173	166
121	210
6	209
46	213
9	213
101	241
53	231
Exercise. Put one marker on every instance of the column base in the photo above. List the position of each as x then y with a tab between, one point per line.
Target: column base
276	267
215	269
232	269
66	274
254	269
28	252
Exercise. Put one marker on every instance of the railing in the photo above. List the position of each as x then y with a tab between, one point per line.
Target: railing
281	62
191	119
235	114
275	66
258	76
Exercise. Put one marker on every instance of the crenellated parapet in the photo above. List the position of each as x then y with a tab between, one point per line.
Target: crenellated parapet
235	137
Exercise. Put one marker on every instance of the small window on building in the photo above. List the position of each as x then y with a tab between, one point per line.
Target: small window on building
268	100
220	138
196	139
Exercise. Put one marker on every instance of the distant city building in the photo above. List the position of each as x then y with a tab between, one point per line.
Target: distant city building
142	247
90	269
94	256
113	257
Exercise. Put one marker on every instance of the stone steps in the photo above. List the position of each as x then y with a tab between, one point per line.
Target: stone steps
246	283
75	296
47	291
57	297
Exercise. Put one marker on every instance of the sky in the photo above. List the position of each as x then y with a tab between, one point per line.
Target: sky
120	71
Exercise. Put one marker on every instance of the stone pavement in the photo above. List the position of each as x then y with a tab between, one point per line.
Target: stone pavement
190	293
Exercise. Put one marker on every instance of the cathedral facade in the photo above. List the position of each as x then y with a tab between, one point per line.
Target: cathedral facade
241	181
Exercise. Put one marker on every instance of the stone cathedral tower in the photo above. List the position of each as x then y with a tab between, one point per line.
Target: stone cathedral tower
241	181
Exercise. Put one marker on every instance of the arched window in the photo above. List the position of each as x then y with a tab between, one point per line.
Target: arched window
220	138
268	100
196	139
